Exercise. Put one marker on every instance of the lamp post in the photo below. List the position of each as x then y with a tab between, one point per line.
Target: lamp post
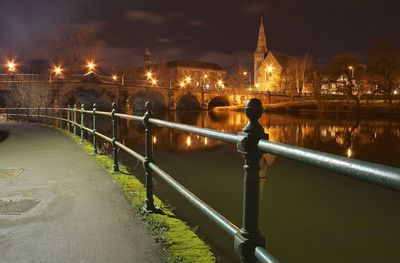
351	68
245	73
12	67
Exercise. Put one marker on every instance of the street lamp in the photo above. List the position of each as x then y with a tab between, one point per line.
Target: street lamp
149	75
154	82
12	66
188	79
182	84
91	66
351	68
114	77
245	73
57	70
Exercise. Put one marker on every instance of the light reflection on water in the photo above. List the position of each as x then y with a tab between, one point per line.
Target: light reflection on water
306	214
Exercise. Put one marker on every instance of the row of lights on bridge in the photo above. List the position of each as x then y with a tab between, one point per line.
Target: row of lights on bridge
186	81
57	69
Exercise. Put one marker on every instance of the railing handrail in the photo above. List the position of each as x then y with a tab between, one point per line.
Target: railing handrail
378	174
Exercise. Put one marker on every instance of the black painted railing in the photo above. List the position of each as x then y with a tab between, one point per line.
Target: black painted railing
252	142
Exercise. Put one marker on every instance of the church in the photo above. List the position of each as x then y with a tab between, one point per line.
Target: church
270	68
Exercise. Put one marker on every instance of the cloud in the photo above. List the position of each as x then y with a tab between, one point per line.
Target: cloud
226	60
164	40
145	16
254	8
196	23
117	56
172	53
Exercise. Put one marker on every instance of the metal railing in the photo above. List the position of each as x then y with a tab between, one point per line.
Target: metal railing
252	142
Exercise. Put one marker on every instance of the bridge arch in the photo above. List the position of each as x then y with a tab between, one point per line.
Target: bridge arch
218	101
138	100
88	97
188	101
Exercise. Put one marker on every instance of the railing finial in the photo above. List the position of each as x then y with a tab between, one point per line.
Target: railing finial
253	111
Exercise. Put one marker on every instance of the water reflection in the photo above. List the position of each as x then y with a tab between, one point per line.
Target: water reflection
346	137
301	208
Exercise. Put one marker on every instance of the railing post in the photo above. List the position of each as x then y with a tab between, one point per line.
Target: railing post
114	139
68	118
52	116
94	129
6	113
74	119
16	112
249	236
45	115
60	114
149	207
82	121
38	113
27	114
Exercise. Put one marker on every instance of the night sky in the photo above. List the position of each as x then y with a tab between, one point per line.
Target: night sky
218	31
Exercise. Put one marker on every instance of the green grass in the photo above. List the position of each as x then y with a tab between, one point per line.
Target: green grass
180	243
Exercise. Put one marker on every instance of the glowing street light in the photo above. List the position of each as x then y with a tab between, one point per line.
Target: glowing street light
182	84
91	66
12	66
245	74
154	82
57	70
220	83
351	68
270	69
257	85
188	79
114	77
149	75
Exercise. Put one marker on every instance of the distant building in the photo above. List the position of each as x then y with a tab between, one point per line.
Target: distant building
189	73
270	68
181	73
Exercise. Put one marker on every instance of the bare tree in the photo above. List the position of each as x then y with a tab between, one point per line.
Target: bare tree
29	92
73	44
348	75
316	80
240	76
384	68
297	73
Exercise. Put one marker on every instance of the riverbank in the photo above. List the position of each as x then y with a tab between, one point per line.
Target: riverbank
323	107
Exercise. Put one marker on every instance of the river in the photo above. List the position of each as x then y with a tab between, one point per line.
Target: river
306	214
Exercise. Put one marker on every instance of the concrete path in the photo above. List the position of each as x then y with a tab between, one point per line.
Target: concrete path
82	215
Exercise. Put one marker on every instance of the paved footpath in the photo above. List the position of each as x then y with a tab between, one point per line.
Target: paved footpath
82	215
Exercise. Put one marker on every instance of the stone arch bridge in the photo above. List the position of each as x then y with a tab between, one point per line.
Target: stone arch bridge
130	97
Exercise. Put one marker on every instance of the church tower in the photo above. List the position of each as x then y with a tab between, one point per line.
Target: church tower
147	58
261	50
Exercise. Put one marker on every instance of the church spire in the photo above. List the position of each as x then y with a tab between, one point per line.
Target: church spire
262	42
